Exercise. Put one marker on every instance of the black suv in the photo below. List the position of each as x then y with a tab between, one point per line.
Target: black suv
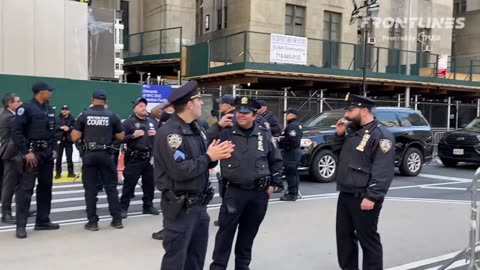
413	141
461	145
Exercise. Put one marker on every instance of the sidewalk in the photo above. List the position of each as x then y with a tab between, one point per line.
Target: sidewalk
297	235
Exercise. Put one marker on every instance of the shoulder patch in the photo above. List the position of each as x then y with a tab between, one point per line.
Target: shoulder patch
174	141
20	111
292	133
267	124
385	145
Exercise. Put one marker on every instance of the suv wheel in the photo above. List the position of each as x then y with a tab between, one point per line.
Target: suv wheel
324	166
449	162
412	162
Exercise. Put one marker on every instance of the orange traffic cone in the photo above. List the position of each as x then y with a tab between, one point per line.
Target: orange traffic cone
121	165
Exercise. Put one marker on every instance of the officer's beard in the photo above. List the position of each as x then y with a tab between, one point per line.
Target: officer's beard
355	123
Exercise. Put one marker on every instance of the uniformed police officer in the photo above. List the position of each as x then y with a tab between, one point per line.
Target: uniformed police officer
269	119
64	128
34	137
181	168
290	144
251	175
98	127
139	131
365	171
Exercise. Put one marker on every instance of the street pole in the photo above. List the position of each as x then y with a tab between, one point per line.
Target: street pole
365	62
407	62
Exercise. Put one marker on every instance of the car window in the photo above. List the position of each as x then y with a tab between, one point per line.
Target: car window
324	120
411	119
474	125
388	119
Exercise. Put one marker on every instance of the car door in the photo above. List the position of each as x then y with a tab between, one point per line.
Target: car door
416	129
390	121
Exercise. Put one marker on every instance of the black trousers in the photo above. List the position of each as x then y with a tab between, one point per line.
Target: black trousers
1	177
134	168
100	163
353	225
244	210
43	172
11	180
68	146
291	159
185	240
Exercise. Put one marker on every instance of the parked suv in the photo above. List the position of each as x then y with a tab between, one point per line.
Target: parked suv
461	145
413	141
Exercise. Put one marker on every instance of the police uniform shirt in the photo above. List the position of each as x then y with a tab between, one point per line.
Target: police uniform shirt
97	120
291	136
34	121
134	123
255	155
271	122
366	162
180	157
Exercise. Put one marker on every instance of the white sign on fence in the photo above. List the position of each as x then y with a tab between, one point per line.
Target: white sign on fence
288	49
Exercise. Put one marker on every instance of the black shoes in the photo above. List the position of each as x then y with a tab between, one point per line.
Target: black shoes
117	224
151	211
71	175
158	235
58	176
46	226
8	219
124	213
91	226
289	197
21	233
279	190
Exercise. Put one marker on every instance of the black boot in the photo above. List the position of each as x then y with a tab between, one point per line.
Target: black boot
49	226
151	211
8	219
21	233
290	196
158	235
91	226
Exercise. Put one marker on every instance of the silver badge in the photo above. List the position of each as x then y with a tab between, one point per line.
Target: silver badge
385	145
20	111
267	124
174	141
137	125
292	133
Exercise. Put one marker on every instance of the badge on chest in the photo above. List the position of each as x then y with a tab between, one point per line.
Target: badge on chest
363	142
260	142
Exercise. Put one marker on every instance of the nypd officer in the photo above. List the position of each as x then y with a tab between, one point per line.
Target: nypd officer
181	167
290	144
251	175
99	127
365	171
34	137
268	119
139	131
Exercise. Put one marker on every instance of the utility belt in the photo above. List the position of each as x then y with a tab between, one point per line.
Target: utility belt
37	145
356	195
173	203
140	154
94	147
258	184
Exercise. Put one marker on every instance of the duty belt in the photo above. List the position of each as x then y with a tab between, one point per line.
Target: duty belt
141	154
93	146
258	184
37	145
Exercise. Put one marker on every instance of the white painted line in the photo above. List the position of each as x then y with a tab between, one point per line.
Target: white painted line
447	188
402	199
453	265
447	178
425	262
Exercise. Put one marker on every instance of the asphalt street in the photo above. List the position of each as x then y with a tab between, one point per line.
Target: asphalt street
436	185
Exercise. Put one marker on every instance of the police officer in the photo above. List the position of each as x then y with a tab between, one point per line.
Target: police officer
34	137
251	175
65	124
182	162
268	119
99	127
9	156
290	144
365	171
139	132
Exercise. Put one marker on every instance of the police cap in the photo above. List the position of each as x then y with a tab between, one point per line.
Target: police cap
246	105
292	111
184	93
228	99
139	100
262	103
40	86
100	94
355	101
65	107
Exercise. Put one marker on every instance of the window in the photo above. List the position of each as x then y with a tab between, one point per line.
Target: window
199	17
395	45
295	20
388	119
331	36
222	9
459	7
411	119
